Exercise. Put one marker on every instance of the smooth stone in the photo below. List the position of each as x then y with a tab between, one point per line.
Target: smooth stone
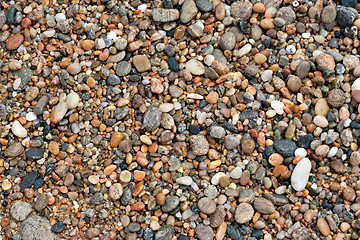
141	63
207	205
152	119
195	67
186	180
244	213
264	206
18	130
41	105
323	227
34	153
227	41
72	100
58	112
188	11
320	121
285	147
300	174
322	107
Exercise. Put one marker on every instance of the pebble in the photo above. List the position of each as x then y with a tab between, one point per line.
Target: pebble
165	15
36	227
186	180
14	41
323	227
244	213
195	67
264	206
207	205
20	210
300	174
119	120
18	130
141	63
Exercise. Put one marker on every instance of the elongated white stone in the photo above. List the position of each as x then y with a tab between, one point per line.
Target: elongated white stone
186	180
244	50
300	174
18	130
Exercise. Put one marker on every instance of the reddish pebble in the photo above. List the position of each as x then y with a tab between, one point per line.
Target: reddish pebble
344	113
14	41
139	206
139	175
26	22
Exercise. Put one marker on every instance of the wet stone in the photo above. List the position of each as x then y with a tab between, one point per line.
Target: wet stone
34	153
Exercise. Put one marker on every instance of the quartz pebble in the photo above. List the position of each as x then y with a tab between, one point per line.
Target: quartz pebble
300	174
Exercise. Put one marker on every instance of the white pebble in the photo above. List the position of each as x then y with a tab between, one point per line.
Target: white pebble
301	152
290	49
111	35
306	35
317	53
216	178
332	152
267	75
236	173
142	7
59	17
17	83
200	24
31	116
356	85
300	174
101	44
278	107
177	105
186	180
166	107
72	100
347	122
18	130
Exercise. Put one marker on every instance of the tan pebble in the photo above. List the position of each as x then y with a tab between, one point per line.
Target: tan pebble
267	23
109	169
94	179
259	8
323	227
212	97
116	191
157	166
214	164
145	139
260	58
160	198
125	176
54	147
6	185
344	226
116	138
87	44
276	159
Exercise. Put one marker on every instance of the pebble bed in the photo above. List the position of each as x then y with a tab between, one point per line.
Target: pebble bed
179	119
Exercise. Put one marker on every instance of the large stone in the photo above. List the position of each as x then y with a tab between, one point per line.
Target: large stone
36	227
